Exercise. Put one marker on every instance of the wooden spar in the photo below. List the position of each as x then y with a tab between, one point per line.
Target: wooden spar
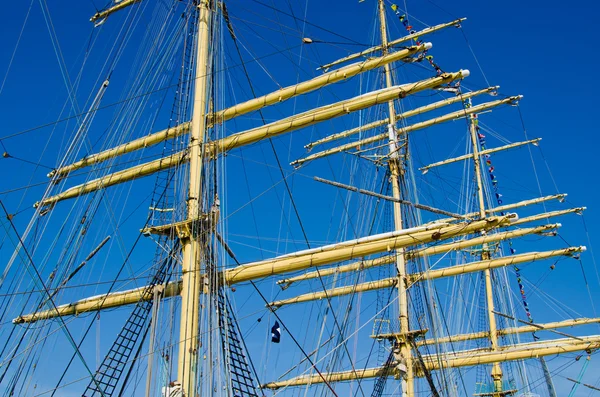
330	111
254	135
400	40
100	302
388	198
466	358
516	352
338	291
430	275
385	260
76	270
437	249
296	261
128	147
487	239
331	377
584	384
318	257
116	178
493	264
559	197
401	116
505	331
550	214
245	107
414	127
538	326
481	153
87	304
524	203
119	6
315	83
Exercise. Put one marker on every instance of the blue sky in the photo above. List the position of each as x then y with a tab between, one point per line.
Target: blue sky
545	51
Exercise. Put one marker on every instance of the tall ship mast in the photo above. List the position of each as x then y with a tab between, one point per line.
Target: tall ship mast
223	208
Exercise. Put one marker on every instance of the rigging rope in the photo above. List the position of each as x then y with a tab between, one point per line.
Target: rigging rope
307	356
309	23
498	196
423	55
581	373
490	168
38	278
288	189
130	98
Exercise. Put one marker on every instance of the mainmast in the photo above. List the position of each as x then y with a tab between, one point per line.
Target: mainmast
485	255
404	359
187	368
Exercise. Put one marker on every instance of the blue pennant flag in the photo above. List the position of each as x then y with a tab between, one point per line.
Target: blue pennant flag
275	333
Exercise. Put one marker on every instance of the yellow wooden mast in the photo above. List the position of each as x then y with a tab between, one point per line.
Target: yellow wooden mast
193	246
505	331
512	206
496	373
404	356
481	153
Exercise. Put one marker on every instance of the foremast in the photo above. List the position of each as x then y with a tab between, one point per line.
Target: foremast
193	255
403	360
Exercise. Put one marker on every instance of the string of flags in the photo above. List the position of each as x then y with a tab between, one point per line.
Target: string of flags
404	20
498	196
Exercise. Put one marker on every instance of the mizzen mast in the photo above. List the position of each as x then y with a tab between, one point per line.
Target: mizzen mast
496	373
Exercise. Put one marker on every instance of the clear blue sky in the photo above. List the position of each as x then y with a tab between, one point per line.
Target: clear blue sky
544	50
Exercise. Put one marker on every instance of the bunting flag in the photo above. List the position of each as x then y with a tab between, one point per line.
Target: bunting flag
438	70
404	20
275	333
490	168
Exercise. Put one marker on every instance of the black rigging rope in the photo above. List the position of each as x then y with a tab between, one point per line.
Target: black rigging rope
243	63
50	300
310	361
309	23
110	289
131	98
426	372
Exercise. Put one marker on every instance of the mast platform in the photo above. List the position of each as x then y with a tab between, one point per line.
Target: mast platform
487	390
183	229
